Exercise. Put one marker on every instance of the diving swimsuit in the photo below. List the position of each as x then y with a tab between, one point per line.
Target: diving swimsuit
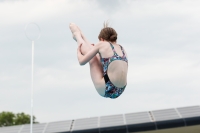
111	90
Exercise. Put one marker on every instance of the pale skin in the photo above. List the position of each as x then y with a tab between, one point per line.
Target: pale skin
117	70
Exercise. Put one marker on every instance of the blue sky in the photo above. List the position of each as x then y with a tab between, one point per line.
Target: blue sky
161	39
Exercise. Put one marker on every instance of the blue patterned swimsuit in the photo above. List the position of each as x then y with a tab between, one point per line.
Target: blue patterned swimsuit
111	90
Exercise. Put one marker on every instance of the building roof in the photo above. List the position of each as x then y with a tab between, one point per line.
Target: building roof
184	120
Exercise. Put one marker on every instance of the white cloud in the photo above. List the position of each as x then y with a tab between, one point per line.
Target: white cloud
160	37
34	11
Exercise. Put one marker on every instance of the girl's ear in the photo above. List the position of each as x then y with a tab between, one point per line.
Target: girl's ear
101	39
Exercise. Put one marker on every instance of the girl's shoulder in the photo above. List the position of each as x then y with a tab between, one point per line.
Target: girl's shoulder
121	46
102	44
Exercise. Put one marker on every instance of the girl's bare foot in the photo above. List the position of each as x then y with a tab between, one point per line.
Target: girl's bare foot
74	29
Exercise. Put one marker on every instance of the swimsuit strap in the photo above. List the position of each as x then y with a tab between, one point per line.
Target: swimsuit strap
111	46
115	53
113	49
122	50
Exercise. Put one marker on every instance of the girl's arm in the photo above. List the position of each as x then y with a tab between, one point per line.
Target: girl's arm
83	59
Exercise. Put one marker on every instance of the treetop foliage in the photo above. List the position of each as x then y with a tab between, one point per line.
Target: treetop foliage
10	119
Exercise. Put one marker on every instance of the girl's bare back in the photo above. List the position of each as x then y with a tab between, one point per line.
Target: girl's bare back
117	70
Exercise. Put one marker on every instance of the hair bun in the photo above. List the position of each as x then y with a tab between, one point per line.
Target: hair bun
113	38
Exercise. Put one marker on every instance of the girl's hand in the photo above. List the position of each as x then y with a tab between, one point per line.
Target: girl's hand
83	59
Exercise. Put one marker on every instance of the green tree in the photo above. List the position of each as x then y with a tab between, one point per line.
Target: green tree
9	119
6	119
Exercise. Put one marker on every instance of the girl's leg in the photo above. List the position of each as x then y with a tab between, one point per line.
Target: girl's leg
96	70
77	35
83	36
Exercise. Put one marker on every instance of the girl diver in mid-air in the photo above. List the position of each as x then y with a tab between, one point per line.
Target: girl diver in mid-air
108	60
